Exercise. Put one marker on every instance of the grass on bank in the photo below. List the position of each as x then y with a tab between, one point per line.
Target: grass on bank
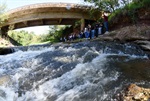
129	10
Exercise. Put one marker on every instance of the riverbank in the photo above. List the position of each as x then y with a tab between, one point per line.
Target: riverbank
129	33
5	43
138	34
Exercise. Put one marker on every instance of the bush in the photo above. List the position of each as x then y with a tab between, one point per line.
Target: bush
23	37
146	3
134	6
115	15
129	11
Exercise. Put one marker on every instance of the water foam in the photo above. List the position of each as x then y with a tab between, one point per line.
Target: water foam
86	81
73	84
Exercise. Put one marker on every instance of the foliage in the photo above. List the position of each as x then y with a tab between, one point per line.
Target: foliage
145	3
55	33
106	5
23	37
130	10
94	13
125	2
3	15
115	14
66	31
2	8
120	8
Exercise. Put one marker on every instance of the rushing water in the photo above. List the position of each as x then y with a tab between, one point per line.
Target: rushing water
85	71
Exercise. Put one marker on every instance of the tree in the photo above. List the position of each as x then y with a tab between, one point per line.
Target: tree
3	15
56	30
24	37
111	5
106	5
125	2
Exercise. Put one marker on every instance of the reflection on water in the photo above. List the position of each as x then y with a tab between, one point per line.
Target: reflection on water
86	71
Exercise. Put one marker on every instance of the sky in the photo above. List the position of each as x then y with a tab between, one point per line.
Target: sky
12	4
18	3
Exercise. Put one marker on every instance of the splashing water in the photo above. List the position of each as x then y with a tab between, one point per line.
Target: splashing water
93	71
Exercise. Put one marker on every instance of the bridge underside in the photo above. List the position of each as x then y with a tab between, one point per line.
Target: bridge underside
48	14
41	22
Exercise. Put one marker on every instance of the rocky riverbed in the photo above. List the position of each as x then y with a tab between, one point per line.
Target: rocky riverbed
134	93
140	35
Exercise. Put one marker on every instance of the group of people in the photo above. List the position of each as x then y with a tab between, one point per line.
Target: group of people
97	29
90	31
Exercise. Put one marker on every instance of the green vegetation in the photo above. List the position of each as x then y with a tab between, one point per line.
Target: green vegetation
3	15
24	38
106	5
120	8
129	10
55	33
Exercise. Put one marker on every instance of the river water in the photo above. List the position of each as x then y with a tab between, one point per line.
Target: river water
85	71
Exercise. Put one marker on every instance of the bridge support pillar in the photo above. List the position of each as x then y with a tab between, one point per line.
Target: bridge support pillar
82	24
3	32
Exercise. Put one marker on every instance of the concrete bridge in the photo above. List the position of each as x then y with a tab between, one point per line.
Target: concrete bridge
48	14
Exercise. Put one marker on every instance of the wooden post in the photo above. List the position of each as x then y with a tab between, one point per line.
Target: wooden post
82	24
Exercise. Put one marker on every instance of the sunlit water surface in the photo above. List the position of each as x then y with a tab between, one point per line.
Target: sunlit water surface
86	71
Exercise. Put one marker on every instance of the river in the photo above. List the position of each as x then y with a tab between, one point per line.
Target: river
84	71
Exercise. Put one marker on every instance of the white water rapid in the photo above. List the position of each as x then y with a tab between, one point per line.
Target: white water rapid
68	72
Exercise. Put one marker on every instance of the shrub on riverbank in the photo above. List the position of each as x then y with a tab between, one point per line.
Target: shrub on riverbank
24	38
130	14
